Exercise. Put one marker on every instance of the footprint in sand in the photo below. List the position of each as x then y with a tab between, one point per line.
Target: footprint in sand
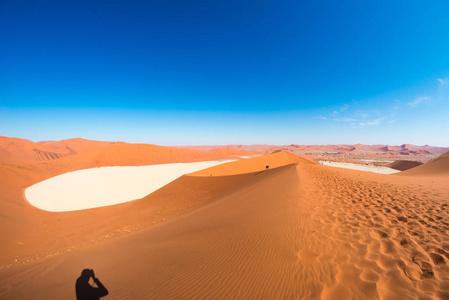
402	219
441	251
412	271
423	262
437	259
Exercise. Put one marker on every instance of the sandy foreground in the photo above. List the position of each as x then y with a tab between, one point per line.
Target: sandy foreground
105	186
360	167
297	230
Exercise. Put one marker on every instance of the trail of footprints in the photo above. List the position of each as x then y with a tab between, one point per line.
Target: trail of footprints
389	228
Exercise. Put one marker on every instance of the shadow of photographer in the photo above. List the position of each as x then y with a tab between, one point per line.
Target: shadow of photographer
86	291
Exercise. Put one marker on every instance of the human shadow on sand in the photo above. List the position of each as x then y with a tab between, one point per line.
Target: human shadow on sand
86	291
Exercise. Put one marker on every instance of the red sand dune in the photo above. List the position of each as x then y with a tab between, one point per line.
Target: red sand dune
436	167
77	145
19	151
298	231
18	214
403	165
357	149
256	164
97	153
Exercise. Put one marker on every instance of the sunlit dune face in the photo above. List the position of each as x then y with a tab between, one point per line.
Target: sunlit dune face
105	186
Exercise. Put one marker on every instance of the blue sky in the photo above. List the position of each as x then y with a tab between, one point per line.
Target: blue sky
226	72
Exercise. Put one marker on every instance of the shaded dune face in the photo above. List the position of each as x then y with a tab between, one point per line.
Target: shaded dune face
296	231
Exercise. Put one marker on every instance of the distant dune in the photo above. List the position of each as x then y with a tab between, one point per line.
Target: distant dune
403	165
405	149
97	153
294	230
20	151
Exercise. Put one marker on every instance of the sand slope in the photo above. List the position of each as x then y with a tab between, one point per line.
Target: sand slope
436	167
403	165
255	164
18	151
296	231
21	151
27	232
86	153
77	145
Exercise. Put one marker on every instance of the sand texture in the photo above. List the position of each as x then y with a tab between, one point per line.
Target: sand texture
438	167
403	165
298	230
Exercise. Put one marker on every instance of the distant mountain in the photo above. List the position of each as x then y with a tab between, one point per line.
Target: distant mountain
21	151
405	149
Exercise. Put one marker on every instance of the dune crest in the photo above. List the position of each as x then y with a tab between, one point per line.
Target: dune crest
254	164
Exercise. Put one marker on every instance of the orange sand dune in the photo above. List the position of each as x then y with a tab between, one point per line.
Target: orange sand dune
256	164
19	151
297	231
436	167
403	165
77	145
236	152
22	224
137	154
86	153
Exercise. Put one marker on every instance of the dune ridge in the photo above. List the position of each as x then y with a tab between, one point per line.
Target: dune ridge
298	230
21	151
86	153
256	164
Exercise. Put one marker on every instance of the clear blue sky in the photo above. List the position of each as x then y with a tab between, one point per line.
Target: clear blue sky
226	72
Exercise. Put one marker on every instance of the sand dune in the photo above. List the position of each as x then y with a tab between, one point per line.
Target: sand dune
403	165
87	154
77	145
436	167
27	233
405	149
298	230
256	164
18	151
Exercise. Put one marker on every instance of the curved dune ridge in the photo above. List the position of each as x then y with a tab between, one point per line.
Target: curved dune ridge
90	188
255	164
297	230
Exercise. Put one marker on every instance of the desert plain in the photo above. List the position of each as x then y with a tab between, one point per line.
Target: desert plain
237	230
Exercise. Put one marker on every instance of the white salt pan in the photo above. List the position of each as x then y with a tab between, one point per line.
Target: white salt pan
360	167
105	186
